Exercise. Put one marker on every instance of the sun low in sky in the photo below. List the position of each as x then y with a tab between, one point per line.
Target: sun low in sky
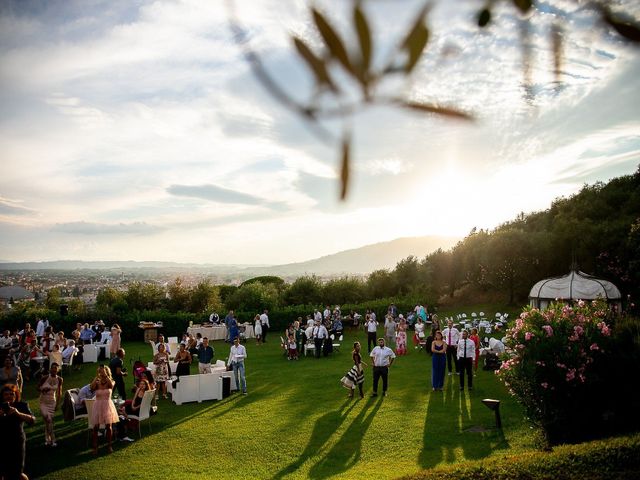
136	131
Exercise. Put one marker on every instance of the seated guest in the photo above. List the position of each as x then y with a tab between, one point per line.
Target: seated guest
69	351
131	407
337	327
5	342
61	341
87	334
310	321
85	393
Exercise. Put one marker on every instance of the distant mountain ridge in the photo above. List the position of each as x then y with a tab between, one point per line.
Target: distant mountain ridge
365	259
360	260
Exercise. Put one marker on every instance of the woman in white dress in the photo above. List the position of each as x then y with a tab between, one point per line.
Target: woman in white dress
257	329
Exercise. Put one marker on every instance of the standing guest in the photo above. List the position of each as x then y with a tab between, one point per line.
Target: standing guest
87	334
438	361
103	412
320	334
161	362
466	355
236	360
390	327
205	355
24	334
227	320
355	376
292	348
382	359
401	339
371	326
13	415
10	373
327	313
183	358
48	340
116	365
233	328
257	328
5	342
264	319
192	345
298	334
317	317
50	388
116	333
435	322
79	344
451	336
476	340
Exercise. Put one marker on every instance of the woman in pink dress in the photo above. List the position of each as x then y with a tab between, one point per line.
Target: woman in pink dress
103	412
50	387
401	337
115	339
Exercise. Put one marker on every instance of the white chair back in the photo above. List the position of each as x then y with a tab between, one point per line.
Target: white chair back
145	406
89	404
172	339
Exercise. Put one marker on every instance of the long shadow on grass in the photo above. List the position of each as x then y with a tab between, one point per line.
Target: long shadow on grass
449	416
323	429
347	450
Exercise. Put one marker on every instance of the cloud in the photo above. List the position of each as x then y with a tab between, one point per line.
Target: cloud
13	207
214	193
88	228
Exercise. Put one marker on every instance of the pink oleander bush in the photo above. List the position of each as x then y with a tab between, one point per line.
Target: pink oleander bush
556	366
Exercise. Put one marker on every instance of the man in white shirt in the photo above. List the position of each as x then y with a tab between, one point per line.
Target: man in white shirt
40	328
317	316
320	335
264	320
466	356
371	326
451	336
382	359
236	360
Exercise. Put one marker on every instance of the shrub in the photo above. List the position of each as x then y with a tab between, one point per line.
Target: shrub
555	367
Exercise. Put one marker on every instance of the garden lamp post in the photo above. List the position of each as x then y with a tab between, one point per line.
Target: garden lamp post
495	406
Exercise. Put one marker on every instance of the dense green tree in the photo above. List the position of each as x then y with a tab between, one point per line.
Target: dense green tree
381	284
178	296
306	290
53	299
253	297
344	290
205	298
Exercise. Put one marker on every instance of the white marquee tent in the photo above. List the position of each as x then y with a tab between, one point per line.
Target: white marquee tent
574	286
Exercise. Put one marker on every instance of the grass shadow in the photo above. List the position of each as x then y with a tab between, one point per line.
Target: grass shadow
348	449
323	429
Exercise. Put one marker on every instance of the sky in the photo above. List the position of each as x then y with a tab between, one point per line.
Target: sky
135	130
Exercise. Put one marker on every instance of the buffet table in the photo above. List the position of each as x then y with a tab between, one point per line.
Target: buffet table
219	332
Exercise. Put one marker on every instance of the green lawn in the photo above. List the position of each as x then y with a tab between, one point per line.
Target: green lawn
296	422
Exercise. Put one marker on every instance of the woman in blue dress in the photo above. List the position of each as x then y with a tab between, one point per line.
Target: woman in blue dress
438	361
233	329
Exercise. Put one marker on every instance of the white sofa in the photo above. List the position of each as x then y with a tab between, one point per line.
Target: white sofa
220	369
196	388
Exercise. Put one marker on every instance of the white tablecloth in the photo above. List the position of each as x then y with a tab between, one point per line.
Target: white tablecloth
219	332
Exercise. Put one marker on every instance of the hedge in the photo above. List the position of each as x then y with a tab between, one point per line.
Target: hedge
617	457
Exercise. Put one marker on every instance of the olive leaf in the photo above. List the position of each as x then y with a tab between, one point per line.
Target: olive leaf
364	38
523	5
344	170
626	27
484	17
416	40
333	41
315	63
429	108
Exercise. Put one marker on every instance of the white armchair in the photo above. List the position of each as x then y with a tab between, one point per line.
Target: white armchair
210	386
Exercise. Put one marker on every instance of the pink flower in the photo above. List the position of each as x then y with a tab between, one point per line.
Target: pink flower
571	374
544	385
528	336
605	331
548	330
561	365
594	346
581	303
541	363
